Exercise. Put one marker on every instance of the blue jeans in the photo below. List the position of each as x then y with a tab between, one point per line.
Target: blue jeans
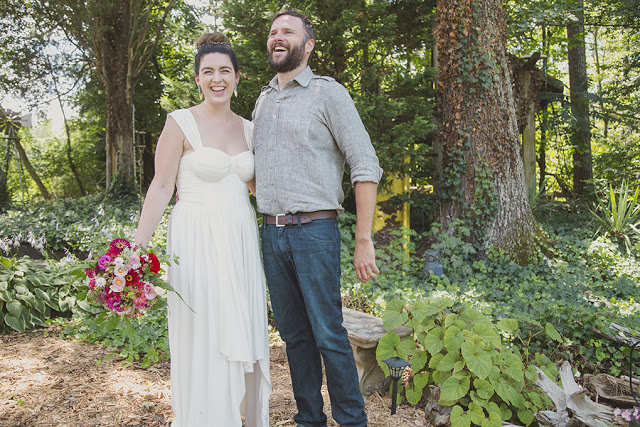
302	266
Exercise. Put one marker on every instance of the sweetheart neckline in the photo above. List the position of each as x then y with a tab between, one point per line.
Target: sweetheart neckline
215	149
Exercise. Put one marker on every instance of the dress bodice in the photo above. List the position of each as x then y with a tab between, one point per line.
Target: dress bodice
208	171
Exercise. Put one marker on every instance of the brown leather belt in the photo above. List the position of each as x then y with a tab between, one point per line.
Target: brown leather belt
281	220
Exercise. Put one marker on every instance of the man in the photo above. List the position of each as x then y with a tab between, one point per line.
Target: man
305	128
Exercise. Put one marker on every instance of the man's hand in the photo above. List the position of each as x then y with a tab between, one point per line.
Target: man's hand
364	260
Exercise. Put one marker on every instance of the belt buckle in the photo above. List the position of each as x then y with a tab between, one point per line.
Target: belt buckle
277	222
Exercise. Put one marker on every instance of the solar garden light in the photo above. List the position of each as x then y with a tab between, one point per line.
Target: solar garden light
396	368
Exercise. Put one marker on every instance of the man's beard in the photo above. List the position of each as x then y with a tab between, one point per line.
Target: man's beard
291	61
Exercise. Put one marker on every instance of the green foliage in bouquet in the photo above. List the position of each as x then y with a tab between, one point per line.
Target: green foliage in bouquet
481	377
30	293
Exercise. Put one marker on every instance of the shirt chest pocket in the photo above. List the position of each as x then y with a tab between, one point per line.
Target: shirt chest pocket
293	134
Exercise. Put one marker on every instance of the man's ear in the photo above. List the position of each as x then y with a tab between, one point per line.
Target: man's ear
309	45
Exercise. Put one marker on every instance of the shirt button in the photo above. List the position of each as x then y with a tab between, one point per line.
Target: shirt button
275	117
277	101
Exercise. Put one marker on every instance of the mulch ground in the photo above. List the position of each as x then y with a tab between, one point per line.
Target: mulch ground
49	381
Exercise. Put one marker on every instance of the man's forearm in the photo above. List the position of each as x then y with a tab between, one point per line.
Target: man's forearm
366	194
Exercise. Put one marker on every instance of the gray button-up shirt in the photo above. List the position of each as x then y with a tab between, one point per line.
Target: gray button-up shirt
302	136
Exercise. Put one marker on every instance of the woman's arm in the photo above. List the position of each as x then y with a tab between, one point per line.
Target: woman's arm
168	153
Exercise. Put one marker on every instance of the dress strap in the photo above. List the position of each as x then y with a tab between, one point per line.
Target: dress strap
248	133
189	127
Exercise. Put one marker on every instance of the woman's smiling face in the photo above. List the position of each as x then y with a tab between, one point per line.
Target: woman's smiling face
216	77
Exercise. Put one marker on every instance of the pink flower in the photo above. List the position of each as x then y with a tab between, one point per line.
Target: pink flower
149	291
118	284
103	260
134	260
139	298
92	283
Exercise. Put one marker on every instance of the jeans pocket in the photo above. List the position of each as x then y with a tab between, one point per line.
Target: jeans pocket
322	230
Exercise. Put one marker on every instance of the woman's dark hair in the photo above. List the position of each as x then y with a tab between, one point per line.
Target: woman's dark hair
215	43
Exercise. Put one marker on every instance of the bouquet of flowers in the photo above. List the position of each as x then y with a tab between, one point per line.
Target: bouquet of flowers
125	279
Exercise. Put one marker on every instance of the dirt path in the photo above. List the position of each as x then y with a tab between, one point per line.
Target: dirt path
48	381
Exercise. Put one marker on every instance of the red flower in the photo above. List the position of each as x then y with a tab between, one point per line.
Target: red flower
155	264
118	245
132	277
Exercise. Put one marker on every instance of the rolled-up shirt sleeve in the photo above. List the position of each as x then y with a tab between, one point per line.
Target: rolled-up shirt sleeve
350	135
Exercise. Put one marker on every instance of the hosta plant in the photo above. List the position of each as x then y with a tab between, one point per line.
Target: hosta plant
481	378
30	293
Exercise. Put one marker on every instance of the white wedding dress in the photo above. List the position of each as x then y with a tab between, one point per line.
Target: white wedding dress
219	350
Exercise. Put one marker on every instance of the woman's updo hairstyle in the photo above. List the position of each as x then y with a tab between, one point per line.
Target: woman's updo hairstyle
215	43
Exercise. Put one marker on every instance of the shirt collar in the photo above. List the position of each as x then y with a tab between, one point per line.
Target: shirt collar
303	78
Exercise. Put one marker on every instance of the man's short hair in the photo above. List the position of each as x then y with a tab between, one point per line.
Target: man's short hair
306	22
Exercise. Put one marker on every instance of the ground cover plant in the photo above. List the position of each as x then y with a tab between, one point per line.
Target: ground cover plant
580	282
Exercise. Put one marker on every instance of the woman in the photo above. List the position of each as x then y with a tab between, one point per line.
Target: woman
218	339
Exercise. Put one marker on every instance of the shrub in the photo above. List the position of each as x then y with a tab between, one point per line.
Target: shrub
482	378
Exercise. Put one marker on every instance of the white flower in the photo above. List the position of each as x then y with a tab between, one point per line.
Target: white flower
100	282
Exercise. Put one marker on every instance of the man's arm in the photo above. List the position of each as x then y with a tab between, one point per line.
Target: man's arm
364	258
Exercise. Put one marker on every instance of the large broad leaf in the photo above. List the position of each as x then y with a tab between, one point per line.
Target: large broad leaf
488	334
526	416
473	316
406	347
507	392
415	390
478	361
45	298
4	285
508	325
505	412
15	308
459	418
387	348
553	332
434	341
477	400
21	289
449	361
450	319
39	306
484	389
418	360
439	376
494	420
476	414
15	323
514	368
395	315
453	339
454	388
419	311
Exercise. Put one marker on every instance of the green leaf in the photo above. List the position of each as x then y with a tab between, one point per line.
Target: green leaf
15	323
419	311
505	412
494	420
552	332
434	341
526	416
415	391
475	413
488	334
418	360
395	315
454	388
450	320
21	289
474	397
478	361
459	365
15	308
506	392
4	286
508	325
386	349
448	362
453	338
459	418
440	377
484	389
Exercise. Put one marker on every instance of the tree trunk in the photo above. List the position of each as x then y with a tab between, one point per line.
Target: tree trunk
32	171
483	179
113	66
578	82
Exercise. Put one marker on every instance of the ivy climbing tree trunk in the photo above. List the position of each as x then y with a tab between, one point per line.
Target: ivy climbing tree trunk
483	173
579	84
118	37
